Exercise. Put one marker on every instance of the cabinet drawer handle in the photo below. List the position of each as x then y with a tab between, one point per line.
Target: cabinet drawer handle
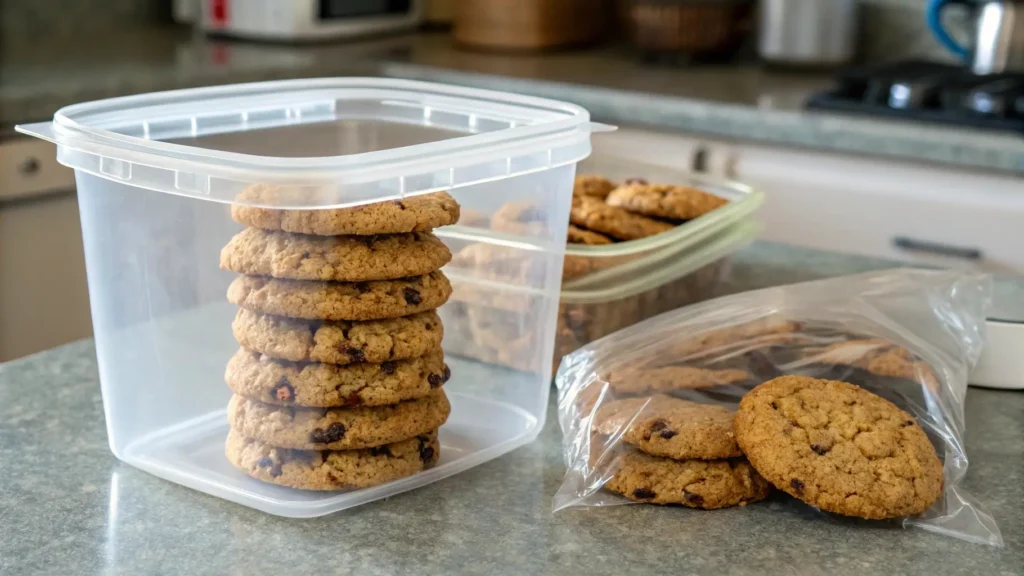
937	248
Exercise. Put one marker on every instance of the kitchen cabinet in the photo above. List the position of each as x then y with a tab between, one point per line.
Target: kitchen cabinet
929	215
44	300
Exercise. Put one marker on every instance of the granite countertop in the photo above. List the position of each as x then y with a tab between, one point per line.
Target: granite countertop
743	102
70	507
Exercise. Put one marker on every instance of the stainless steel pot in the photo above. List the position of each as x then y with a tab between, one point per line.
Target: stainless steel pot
807	32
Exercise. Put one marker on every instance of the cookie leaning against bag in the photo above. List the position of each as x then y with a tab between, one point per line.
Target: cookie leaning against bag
839	447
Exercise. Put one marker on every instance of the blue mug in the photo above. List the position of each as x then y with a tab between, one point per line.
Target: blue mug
934	16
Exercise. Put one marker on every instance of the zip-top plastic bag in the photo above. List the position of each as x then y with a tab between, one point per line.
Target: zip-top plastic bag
854	393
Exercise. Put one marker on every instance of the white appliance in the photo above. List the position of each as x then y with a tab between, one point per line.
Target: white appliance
307	20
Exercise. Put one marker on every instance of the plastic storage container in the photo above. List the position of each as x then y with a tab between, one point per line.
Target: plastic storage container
614	285
590	265
157	175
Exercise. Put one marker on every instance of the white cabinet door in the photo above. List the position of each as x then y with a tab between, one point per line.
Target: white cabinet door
656	148
918	213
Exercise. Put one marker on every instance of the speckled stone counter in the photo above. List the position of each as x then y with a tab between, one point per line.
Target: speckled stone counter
734	102
68	507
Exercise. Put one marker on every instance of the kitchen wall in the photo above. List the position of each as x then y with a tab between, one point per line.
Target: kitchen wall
891	29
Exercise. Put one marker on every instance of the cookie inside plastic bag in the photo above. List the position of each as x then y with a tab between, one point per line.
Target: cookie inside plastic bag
846	394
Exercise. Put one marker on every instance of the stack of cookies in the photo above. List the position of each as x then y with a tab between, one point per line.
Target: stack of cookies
681	452
338	381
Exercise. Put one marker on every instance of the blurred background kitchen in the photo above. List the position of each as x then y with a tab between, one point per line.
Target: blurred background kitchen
890	129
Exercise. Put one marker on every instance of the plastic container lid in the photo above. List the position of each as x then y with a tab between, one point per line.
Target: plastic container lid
469	136
661	272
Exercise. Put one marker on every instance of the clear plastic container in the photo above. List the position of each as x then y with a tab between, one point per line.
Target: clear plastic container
157	175
486	320
604	288
592	265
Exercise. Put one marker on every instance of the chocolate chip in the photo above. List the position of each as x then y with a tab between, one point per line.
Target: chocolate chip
427	453
387	367
412	296
774	405
644	493
819	449
362	287
354	354
399	204
666	434
635	181
693	499
333	433
305	255
658	426
283	391
907	423
797	486
353	400
380	451
429	326
447	375
434	380
268	462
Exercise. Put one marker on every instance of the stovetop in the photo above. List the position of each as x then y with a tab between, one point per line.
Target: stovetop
931	92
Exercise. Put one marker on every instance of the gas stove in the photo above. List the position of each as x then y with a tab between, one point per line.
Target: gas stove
930	92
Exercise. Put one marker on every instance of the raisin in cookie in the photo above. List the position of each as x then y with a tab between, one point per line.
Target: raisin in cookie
838	447
415	214
373	300
339	258
257	377
593	214
333	470
666	426
694	483
339	342
337	428
665	201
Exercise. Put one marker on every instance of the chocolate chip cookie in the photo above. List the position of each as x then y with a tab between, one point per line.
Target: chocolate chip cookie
838	447
880	357
666	426
642	380
333	470
415	214
593	214
340	258
577	235
523	218
373	300
339	342
665	201
761	333
337	428
257	377
707	484
591	185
